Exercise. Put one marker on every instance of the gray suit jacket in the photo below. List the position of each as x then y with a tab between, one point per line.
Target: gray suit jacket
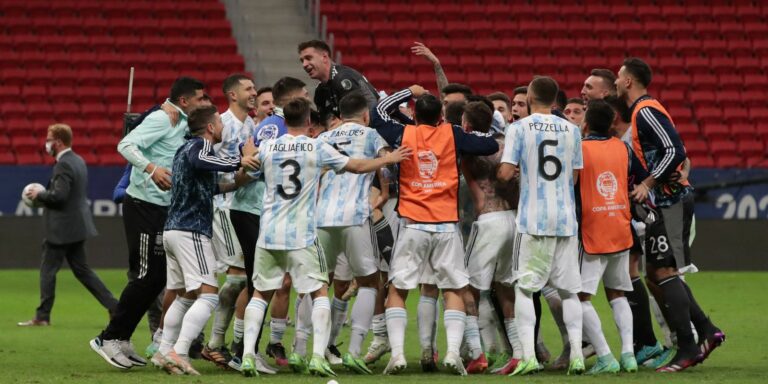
67	215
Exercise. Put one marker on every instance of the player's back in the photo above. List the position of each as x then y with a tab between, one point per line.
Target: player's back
344	196
292	166
548	149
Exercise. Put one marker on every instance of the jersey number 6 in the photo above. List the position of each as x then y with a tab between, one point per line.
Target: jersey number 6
544	159
292	178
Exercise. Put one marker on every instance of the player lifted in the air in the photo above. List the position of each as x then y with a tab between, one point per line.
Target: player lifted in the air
292	165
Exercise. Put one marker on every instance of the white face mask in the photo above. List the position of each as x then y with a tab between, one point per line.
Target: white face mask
49	148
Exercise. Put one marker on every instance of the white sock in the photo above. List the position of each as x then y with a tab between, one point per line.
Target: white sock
254	315
622	315
321	325
454	328
593	329
472	336
277	330
362	316
338	315
238	330
397	319
379	328
194	321
487	323
157	337
303	325
572	320
427	310
226	308
517	348
172	323
525	318
556	308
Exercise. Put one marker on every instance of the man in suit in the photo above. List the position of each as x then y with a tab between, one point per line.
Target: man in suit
68	223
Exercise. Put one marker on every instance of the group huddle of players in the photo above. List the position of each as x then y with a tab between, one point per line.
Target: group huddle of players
361	191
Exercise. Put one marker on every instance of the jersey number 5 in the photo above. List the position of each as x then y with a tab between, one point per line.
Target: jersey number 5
293	178
544	159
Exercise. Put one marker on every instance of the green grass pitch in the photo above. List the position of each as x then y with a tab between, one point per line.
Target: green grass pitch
60	353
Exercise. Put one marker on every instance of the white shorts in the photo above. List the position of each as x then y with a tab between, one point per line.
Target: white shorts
428	258
488	257
306	266
226	247
547	259
353	246
611	268
190	260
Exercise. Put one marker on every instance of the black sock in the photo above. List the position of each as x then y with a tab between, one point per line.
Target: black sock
703	325
642	327
537	310
678	313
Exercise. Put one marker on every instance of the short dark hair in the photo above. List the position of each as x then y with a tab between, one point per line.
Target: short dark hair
457	88
314	117
500	96
199	118
316	44
523	90
599	116
262	90
620	107
353	104
639	69
428	109
232	81
479	116
544	90
482	99
607	76
454	111
561	99
286	86
575	100
297	111
185	87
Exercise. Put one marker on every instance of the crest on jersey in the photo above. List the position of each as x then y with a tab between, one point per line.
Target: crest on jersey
267	132
427	164
607	185
346	84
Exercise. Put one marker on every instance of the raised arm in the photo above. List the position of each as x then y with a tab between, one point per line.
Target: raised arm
419	49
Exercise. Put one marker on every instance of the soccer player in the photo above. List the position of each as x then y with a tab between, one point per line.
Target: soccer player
519	107
598	85
609	168
344	222
187	235
241	95
245	212
503	104
547	150
150	149
428	241
265	104
659	148
336	80
292	165
488	256
574	111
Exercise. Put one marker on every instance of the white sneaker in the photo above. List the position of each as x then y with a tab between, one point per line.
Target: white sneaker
396	365
331	357
127	348
377	350
453	362
262	366
110	351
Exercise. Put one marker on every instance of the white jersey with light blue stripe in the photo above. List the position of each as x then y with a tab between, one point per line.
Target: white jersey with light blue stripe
547	149
344	196
234	133
292	166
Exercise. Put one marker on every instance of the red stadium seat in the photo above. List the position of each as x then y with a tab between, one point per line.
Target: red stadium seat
715	130
33	158
696	147
751	148
687	132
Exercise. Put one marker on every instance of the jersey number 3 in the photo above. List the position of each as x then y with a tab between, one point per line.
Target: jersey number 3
544	159
293	178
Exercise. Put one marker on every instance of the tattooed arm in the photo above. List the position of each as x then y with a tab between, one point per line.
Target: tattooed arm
422	50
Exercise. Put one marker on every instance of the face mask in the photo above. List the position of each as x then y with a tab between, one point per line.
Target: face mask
49	148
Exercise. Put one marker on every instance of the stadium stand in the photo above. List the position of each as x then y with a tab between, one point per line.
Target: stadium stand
710	62
69	61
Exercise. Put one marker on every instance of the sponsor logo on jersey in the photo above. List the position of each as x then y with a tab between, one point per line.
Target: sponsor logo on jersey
607	185
427	164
